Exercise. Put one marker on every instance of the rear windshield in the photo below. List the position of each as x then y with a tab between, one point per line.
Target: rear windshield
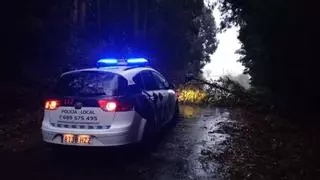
91	83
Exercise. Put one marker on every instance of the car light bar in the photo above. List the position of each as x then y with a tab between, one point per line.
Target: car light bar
137	60
108	61
122	62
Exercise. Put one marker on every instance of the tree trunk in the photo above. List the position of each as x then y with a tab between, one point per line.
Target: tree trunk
83	13
136	19
110	4
75	12
129	6
145	25
99	17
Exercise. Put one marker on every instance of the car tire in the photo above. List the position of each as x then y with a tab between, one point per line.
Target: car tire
149	137
150	129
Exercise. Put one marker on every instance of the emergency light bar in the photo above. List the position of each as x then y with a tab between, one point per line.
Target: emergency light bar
122	62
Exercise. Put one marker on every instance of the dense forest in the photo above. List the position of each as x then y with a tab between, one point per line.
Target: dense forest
279	37
45	38
280	49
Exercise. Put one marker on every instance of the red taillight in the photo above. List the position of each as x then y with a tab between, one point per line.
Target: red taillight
108	105
112	106
52	104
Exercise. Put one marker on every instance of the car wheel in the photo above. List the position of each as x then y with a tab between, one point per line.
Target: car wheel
149	137
150	129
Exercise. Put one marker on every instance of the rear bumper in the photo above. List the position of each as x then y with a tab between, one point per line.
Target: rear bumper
111	137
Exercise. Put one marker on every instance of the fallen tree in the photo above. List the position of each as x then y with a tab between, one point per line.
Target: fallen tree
225	92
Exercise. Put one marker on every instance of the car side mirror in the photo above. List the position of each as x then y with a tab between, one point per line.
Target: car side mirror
189	77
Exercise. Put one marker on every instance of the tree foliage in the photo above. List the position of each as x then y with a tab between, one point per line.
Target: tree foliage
55	35
279	49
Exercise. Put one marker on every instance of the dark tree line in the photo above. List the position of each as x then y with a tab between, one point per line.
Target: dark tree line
280	47
48	37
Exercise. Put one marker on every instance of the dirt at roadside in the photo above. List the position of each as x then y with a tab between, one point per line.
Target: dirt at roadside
20	116
267	147
19	129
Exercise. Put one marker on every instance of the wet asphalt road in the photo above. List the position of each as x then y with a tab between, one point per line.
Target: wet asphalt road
181	152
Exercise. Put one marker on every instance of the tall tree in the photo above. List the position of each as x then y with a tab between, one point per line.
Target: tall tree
175	35
279	48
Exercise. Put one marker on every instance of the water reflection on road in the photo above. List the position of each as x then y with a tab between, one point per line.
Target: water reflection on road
189	112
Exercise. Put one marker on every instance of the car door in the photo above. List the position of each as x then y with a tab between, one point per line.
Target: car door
144	105
162	97
151	88
164	92
172	98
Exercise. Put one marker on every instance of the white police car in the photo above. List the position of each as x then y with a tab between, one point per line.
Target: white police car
119	102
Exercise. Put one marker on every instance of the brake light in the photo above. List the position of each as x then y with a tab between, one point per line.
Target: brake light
113	105
52	104
108	105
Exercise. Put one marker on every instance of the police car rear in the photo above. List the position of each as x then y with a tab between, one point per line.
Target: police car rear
92	107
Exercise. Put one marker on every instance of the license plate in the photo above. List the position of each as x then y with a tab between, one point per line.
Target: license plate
76	139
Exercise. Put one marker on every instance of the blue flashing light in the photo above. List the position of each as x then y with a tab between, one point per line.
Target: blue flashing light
108	61
122	62
137	61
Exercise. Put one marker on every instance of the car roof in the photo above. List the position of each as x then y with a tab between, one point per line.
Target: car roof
127	72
